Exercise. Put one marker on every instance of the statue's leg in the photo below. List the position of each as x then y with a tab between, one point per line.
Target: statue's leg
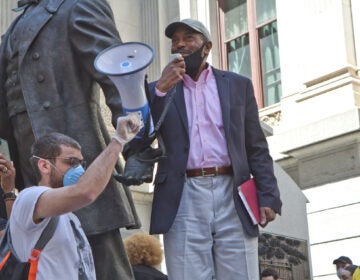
24	138
111	262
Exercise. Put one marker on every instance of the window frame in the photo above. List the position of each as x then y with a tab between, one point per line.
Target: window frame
254	44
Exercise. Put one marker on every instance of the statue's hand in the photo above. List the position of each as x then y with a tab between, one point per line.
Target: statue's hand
136	172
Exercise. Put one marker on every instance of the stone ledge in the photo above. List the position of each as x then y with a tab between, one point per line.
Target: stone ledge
328	161
331	127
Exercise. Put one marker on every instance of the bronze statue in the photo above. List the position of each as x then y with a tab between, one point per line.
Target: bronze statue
48	83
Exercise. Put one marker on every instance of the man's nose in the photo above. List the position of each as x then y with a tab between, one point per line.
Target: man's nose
179	44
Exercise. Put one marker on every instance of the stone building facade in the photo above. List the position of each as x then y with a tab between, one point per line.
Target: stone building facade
303	57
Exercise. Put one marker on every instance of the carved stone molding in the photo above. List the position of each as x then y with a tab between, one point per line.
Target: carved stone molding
286	255
272	119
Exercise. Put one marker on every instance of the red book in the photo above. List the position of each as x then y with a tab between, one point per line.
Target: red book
248	195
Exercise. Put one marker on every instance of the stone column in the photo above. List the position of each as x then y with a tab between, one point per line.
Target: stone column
150	34
6	14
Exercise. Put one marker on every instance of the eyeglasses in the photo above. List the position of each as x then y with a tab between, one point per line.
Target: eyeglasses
71	161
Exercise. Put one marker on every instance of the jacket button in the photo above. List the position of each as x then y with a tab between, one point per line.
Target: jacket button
40	78
46	105
36	56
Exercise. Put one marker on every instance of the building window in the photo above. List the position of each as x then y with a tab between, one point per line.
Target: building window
250	45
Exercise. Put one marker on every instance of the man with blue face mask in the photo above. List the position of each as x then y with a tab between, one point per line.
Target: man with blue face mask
57	161
72	175
340	263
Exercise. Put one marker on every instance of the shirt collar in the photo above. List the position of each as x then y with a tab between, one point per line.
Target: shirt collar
203	78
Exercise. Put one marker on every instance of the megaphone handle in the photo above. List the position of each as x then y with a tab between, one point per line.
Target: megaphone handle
166	109
147	93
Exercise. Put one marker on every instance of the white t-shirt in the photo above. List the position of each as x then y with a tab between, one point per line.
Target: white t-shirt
66	256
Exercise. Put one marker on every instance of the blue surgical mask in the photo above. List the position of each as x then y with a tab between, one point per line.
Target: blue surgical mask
72	175
338	273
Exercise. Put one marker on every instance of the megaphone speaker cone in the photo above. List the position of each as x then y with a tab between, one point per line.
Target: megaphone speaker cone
125	65
124	59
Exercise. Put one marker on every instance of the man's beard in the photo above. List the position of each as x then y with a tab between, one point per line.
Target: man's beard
56	181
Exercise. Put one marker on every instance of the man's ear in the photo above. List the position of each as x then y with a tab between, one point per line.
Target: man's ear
44	166
207	47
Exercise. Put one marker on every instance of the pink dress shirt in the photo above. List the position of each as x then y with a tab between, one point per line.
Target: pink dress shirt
206	130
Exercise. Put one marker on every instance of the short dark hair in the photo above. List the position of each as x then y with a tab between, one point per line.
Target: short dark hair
270	272
49	147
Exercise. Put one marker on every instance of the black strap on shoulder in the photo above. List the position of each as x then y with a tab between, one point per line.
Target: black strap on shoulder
47	233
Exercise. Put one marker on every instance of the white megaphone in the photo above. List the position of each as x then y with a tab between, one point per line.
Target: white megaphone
125	65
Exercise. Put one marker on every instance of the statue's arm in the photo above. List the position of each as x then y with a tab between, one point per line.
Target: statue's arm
92	29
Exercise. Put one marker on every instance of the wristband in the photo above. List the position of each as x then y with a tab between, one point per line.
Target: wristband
8	195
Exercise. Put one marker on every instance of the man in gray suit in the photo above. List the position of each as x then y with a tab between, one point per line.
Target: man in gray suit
214	143
48	83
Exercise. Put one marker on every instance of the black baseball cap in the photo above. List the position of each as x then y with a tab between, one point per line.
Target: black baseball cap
342	259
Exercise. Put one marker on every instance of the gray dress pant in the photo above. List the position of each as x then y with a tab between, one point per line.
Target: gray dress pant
207	240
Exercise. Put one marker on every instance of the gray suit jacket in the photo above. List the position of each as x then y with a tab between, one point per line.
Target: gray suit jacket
247	147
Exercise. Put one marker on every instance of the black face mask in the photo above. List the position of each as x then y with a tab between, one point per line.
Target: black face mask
193	62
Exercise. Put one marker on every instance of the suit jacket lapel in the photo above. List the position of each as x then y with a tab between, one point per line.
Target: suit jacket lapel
39	17
223	87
